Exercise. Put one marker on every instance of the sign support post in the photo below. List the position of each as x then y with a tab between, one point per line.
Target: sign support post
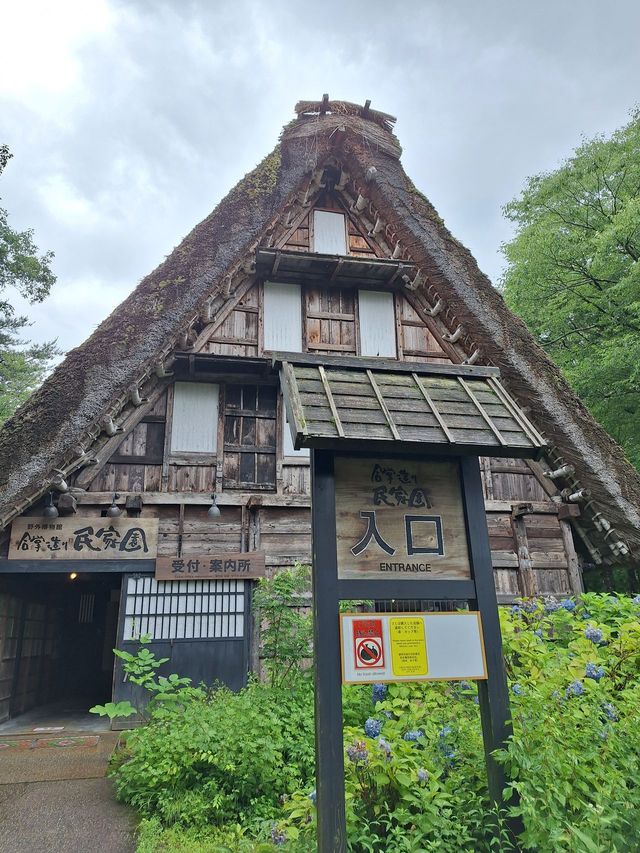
332	832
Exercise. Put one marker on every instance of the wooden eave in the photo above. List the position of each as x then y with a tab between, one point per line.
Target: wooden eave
340	403
341	270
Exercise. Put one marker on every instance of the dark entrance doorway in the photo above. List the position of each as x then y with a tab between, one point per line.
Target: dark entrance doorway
60	631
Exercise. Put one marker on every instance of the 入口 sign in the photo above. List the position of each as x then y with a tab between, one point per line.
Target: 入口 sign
400	519
411	647
34	538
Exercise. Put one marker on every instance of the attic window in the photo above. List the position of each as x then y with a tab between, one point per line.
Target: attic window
194	427
329	233
377	324
282	317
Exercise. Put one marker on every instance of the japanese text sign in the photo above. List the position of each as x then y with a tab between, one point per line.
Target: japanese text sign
411	647
400	519
34	538
241	566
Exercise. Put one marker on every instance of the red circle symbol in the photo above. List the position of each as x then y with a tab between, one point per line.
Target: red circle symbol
369	652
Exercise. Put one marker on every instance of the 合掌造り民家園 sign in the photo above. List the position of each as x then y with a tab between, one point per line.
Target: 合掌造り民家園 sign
400	519
34	538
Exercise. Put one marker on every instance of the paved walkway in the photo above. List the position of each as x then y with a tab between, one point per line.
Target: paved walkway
75	816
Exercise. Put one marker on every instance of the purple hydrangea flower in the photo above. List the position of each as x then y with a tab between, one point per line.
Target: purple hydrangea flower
576	688
413	735
378	693
385	746
610	711
277	835
372	727
358	752
313	796
594	671
568	604
423	774
593	634
518	689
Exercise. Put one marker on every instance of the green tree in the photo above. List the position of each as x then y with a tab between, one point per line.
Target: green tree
22	365
573	274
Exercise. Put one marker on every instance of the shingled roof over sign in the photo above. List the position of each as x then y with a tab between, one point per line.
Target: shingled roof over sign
67	414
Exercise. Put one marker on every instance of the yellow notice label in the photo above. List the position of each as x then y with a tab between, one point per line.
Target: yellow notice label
408	645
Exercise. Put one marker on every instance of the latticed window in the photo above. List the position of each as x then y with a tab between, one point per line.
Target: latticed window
250	437
184	610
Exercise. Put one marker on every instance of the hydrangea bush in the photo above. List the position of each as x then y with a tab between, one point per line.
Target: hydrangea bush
415	772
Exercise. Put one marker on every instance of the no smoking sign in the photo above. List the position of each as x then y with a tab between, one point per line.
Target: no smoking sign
368	644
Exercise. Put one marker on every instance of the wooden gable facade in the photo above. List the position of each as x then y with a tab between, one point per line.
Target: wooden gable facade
206	417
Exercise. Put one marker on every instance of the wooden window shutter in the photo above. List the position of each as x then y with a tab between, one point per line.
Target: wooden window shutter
329	233
282	317
250	437
377	324
195	417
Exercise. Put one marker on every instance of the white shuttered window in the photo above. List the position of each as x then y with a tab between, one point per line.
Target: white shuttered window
194	428
329	234
282	317
377	324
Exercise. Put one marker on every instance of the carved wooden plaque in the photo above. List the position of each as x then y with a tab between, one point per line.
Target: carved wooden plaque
241	566
34	538
400	518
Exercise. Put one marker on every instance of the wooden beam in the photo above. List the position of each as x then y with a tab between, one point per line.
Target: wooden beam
573	570
195	498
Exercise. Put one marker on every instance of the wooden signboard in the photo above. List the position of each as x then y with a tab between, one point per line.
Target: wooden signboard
247	565
76	538
400	519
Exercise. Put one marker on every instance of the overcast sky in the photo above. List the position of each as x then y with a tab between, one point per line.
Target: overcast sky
129	121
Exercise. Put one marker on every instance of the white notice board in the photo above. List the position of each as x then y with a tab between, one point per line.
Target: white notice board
385	647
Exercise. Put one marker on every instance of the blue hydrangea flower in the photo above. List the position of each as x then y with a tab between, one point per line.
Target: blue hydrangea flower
538	632
516	610
388	715
593	634
372	727
610	711
423	774
413	735
465	685
277	835
576	688
313	796
476	700
594	671
444	732
530	606
358	752
385	746
586	614
568	604
518	689
635	599
378	693
551	605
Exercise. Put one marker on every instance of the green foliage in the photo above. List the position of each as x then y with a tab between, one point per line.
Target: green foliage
22	365
114	709
222	757
224	761
286	631
573	274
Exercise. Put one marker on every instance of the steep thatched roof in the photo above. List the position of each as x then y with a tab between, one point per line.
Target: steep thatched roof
79	392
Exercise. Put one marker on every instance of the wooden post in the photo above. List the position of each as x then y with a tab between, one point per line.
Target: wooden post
332	834
493	693
575	576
